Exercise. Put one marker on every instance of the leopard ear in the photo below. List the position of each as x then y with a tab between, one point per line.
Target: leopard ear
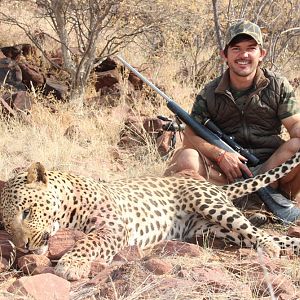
37	174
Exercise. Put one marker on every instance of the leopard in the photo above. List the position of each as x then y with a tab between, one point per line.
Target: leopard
141	211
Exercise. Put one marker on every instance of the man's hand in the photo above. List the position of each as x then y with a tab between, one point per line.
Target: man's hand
232	164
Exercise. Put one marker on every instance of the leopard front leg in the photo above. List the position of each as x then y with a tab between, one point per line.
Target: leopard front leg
103	243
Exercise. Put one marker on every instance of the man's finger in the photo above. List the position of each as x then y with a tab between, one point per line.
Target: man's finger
244	168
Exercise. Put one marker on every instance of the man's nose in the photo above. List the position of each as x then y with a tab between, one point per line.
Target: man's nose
244	53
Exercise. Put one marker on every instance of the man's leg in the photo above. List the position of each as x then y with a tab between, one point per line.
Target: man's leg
289	184
189	159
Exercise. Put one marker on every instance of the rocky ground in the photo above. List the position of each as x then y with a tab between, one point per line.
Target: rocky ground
170	270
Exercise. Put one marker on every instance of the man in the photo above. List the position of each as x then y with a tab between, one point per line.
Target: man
249	103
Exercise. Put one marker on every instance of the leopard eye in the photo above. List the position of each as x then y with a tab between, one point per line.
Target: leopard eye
26	213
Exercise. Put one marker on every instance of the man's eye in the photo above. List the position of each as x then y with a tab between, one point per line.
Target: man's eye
26	213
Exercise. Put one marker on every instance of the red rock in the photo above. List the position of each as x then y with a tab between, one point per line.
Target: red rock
41	287
7	249
4	265
294	231
31	75
158	266
63	241
136	81
11	74
131	253
21	101
171	248
98	266
107	79
55	87
281	286
107	65
13	52
29	264
2	55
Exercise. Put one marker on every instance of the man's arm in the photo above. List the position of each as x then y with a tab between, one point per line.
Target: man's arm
292	124
230	163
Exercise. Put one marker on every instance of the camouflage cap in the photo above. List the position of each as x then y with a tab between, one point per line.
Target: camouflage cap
244	27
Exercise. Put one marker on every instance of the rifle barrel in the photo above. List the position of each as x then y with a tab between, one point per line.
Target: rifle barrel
138	74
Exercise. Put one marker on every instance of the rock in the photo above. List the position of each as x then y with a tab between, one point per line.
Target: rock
130	253
2	55
55	87
33	264
4	264
136	81
107	79
29	50
294	231
107	65
171	248
63	241
254	266
19	102
212	276
13	52
42	286
7	249
97	266
158	266
280	284
31	75
11	74
152	125
101	277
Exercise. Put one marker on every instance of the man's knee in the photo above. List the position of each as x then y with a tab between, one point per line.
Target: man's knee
183	159
293	145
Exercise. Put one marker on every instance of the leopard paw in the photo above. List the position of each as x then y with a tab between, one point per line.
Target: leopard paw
72	268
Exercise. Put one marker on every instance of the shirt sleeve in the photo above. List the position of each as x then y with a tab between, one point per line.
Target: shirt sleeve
199	110
289	106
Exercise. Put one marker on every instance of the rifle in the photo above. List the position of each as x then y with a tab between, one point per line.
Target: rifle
281	207
252	159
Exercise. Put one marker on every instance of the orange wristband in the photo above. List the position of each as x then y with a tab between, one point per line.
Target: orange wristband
220	157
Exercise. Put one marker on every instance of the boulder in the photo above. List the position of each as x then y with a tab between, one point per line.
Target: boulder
31	75
42	286
11	74
107	79
55	87
32	264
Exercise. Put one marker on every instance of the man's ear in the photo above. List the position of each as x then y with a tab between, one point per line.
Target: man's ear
263	53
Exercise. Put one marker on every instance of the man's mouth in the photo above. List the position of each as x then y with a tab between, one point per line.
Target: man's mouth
243	62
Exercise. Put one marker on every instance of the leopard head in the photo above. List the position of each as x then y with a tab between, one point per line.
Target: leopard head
29	205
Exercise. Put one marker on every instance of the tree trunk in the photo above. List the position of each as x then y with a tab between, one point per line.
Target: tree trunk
77	96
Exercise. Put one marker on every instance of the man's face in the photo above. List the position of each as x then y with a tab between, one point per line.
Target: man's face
243	57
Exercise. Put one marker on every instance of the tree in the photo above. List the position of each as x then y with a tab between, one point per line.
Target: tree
96	28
